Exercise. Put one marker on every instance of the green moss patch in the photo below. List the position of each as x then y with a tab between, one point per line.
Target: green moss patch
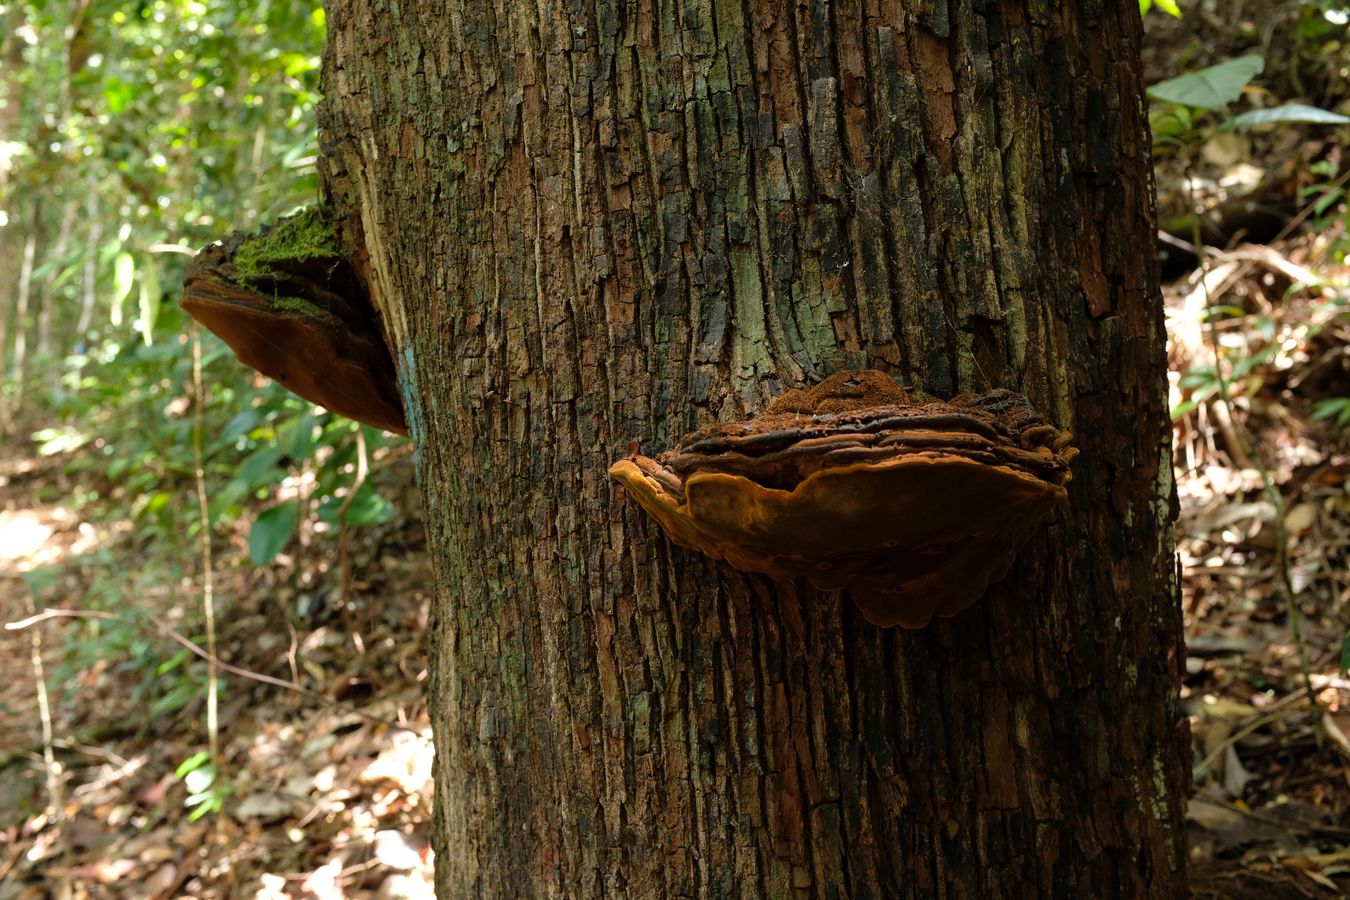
301	308
306	235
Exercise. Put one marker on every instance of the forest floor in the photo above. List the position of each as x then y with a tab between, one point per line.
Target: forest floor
1262	456
326	782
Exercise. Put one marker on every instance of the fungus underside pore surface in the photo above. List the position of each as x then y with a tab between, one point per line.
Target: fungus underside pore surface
290	306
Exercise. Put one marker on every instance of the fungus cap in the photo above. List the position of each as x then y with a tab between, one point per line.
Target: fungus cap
299	327
912	504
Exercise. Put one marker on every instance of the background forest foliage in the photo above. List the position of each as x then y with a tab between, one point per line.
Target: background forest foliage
132	134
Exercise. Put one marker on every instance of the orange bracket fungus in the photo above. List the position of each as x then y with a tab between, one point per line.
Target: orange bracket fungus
288	304
913	504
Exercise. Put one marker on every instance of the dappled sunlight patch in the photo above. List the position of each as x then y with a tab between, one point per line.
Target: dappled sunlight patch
23	535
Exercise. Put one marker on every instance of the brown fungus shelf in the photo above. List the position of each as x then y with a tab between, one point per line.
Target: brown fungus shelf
296	312
915	505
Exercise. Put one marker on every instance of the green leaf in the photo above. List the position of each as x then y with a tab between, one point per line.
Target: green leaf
124	275
1345	654
118	95
172	662
270	532
209	802
1210	88
1337	408
1168	6
1286	114
260	468
242	423
302	441
368	507
180	695
193	762
1329	197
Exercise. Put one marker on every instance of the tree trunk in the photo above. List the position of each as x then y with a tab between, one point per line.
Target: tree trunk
11	62
47	309
589	224
89	281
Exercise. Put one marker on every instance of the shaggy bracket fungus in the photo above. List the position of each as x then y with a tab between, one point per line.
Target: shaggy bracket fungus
913	504
288	304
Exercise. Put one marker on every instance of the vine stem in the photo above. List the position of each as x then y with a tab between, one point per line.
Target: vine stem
45	716
208	580
344	538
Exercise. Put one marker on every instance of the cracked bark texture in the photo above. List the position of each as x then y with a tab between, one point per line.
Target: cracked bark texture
587	222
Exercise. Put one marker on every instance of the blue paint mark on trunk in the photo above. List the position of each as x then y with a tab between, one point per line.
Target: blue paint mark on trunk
412	403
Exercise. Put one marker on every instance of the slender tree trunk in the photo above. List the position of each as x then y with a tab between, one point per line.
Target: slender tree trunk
89	278
585	224
47	307
11	62
23	292
6	387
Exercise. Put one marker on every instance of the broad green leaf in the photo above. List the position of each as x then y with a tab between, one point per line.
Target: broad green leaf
368	507
260	468
1337	408
124	275
242	423
1210	88
302	440
1345	654
1287	114
172	662
270	532
1329	196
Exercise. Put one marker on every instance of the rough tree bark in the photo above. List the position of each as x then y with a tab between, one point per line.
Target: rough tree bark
587	223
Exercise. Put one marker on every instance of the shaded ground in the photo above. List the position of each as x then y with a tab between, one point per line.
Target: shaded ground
328	790
1263	473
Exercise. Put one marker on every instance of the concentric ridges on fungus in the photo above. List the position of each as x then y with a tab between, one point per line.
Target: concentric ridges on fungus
913	504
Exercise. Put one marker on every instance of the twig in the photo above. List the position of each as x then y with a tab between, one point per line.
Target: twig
194	648
49	613
1259	722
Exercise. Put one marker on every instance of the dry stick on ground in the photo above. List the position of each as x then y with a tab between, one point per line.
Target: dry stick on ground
1268	486
189	645
1274	713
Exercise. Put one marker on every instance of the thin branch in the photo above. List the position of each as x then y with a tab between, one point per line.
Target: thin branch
196	649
